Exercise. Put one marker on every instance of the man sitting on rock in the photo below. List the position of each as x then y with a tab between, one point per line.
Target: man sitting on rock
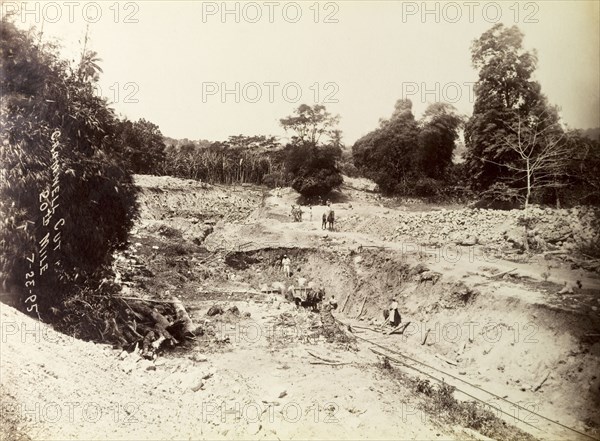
333	304
392	316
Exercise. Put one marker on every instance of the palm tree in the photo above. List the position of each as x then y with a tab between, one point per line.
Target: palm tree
89	68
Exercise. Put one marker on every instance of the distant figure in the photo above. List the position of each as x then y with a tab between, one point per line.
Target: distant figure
311	213
286	264
333	302
331	220
296	213
279	262
290	293
324	223
301	280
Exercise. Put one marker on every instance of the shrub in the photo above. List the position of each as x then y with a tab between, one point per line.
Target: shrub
426	187
348	168
313	168
500	196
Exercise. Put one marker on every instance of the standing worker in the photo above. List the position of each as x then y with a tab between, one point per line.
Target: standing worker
329	212
286	263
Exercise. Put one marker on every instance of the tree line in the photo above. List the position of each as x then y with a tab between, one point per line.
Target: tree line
67	160
517	146
309	162
517	149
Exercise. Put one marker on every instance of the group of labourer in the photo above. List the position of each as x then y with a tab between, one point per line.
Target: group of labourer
304	294
328	219
297	213
310	295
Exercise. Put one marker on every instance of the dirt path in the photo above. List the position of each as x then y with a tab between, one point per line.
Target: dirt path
265	373
260	385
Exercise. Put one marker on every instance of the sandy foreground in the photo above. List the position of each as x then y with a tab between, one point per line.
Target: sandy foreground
265	373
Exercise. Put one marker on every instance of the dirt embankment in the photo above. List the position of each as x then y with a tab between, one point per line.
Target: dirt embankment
191	208
500	334
477	325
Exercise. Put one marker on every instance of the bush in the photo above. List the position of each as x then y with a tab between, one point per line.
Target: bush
319	184
349	169
500	196
313	168
141	146
426	187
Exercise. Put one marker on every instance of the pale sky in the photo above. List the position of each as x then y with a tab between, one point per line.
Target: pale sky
169	62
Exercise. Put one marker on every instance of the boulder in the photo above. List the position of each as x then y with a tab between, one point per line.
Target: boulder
215	310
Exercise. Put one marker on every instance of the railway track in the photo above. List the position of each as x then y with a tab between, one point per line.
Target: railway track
526	415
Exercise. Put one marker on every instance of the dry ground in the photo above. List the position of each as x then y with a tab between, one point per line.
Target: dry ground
256	376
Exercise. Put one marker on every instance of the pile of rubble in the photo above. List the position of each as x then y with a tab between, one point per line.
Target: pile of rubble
164	198
134	324
548	229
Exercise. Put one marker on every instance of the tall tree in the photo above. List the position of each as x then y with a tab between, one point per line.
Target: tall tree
541	153
439	128
387	154
141	146
311	162
504	93
311	124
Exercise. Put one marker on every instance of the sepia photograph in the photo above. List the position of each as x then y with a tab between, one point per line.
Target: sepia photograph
300	220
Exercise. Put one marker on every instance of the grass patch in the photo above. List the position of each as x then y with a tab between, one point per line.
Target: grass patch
438	401
176	249
13	427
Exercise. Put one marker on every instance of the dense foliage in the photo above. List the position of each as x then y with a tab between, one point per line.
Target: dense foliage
514	137
313	168
65	200
141	146
504	92
311	158
405	156
240	159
